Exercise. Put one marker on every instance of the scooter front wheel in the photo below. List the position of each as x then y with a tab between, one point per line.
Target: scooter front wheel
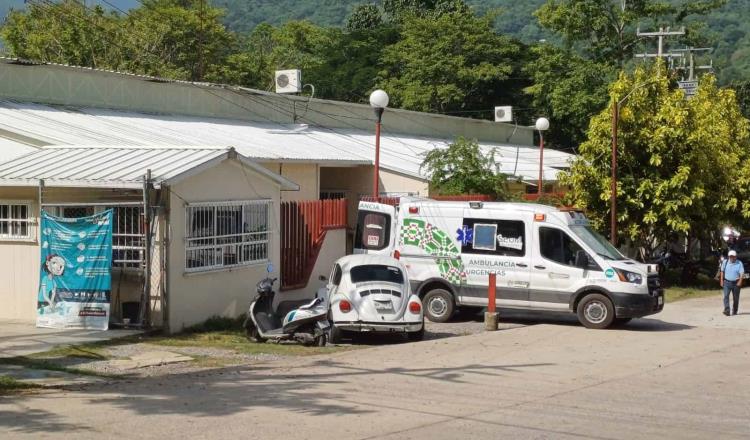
320	341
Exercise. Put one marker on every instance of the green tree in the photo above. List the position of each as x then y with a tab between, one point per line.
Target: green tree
170	38
681	162
598	40
66	32
742	89
178	38
463	168
364	17
571	99
455	61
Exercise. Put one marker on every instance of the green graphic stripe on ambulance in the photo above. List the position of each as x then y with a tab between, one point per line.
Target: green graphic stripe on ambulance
437	243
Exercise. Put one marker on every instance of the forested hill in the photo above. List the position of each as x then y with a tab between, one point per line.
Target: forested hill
729	27
243	15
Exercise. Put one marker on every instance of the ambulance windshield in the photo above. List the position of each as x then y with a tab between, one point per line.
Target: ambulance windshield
597	243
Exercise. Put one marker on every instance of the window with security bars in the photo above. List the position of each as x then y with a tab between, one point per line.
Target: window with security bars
332	195
128	232
226	234
16	221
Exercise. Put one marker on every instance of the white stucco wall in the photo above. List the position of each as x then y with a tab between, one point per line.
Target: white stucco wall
194	297
19	263
306	175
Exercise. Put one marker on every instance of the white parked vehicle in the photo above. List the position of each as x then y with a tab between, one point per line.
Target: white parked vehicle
371	293
545	259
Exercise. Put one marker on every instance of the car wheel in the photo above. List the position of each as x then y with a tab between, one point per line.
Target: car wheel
596	311
320	341
335	334
416	336
438	305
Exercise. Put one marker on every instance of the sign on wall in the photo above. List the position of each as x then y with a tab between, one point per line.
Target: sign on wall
75	279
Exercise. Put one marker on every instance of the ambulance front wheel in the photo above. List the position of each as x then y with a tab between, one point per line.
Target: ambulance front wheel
596	311
438	305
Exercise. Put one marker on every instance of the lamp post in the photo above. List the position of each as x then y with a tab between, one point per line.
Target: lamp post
542	124
379	102
613	188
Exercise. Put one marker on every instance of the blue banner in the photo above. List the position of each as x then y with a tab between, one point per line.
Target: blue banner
76	272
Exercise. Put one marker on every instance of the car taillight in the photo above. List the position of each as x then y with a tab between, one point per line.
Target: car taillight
415	307
345	306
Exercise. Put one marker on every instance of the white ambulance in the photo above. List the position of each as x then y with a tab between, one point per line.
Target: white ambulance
546	259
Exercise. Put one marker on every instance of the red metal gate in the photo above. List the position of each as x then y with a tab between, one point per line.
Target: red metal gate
303	229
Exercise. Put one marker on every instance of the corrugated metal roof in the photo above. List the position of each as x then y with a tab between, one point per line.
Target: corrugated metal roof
118	167
82	126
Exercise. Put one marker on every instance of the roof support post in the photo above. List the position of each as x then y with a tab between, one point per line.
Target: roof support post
145	309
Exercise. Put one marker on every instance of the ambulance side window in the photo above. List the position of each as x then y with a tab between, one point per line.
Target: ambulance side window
493	237
557	246
373	231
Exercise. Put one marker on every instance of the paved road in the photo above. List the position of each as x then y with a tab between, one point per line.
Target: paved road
683	374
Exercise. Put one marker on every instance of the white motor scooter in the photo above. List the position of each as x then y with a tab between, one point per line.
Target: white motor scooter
307	324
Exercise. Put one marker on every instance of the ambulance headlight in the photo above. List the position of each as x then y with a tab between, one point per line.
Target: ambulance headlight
629	277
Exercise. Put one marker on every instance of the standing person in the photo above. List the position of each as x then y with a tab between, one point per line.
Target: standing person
731	280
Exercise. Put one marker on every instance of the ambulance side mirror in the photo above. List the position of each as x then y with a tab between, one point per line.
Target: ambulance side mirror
582	259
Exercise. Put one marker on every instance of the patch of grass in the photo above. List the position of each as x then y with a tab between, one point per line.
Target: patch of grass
673	294
218	324
236	341
9	385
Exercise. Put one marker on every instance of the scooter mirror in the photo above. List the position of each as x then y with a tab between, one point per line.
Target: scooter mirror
269	268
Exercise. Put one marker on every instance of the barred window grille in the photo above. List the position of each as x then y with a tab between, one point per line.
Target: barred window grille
16	221
128	232
332	195
128	237
226	234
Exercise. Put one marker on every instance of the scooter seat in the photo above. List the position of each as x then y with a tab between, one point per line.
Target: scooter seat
314	303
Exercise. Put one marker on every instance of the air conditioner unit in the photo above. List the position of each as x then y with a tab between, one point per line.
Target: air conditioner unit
504	114
288	81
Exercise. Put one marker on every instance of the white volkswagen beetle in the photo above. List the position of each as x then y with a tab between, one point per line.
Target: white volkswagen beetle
371	293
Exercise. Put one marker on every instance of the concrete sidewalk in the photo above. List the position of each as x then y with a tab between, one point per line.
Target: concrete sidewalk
24	338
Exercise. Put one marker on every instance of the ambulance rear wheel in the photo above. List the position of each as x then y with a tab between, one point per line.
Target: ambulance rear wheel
438	305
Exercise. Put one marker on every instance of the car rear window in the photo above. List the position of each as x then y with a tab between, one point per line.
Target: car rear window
376	272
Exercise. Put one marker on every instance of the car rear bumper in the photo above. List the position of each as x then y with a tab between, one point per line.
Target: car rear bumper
628	305
385	327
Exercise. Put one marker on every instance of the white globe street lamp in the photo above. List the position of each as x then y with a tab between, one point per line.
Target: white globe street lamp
542	124
379	102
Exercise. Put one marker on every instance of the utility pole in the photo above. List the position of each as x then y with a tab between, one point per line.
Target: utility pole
690	68
201	36
660	34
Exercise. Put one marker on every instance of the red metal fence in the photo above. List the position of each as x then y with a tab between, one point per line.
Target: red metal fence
303	229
